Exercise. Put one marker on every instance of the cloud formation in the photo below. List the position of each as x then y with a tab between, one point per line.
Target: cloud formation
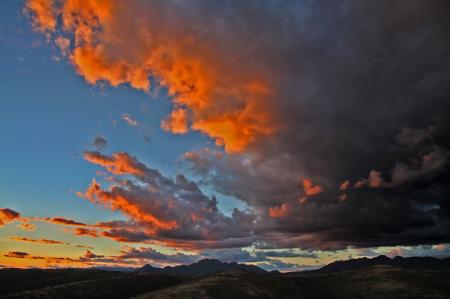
63	221
227	96
350	102
8	215
100	142
39	241
163	209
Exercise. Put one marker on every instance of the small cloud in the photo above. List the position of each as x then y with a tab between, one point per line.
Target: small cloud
85	232
63	44
311	189
130	120
39	241
90	255
64	221
100	142
279	212
17	254
345	185
27	226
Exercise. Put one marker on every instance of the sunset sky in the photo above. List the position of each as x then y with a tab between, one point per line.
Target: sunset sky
285	134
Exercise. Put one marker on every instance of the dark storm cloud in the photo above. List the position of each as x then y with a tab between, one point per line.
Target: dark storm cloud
364	98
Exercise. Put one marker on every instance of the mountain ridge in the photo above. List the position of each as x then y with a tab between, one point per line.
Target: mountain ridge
422	263
202	267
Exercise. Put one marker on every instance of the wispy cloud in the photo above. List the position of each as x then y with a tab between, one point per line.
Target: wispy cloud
130	120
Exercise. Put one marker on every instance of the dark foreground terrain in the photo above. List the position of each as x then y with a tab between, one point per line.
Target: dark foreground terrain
364	278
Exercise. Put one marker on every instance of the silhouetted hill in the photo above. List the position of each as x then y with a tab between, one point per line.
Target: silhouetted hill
374	282
117	269
377	278
202	267
419	263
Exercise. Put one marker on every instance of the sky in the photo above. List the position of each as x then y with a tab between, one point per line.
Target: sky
285	134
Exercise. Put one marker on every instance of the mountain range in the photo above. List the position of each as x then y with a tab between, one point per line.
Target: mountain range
210	266
372	278
202	267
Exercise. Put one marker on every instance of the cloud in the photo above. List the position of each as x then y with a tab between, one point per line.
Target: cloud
90	255
27	226
85	232
63	44
17	254
226	96
46	242
39	241
64	221
345	185
278	265
88	259
311	189
44	18
150	254
290	253
279	212
8	215
126	235
173	210
119	163
176	122
299	92
100	143
130	120
430	164
254	256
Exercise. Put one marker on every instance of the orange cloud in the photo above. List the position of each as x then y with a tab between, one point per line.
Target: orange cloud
279	212
93	65
345	185
119	163
90	255
8	215
227	98
44	18
86	232
27	226
311	189
176	122
17	254
88	259
64	221
40	241
120	202
375	180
